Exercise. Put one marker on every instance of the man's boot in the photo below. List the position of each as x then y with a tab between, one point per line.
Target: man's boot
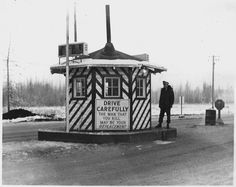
158	126
167	126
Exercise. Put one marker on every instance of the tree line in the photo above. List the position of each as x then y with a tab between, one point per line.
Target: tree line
35	93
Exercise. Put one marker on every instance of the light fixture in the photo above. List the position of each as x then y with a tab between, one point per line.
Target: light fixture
144	72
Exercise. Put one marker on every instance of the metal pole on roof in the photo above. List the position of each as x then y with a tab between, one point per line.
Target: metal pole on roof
67	72
108	24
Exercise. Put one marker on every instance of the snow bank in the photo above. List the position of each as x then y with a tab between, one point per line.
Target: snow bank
58	113
27	119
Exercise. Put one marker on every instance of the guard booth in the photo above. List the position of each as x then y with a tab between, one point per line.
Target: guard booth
109	92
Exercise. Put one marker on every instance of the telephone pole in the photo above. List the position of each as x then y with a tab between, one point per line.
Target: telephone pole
213	69
8	80
210	118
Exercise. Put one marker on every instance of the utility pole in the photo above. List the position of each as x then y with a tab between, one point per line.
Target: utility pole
67	71
210	118
213	69
8	80
75	26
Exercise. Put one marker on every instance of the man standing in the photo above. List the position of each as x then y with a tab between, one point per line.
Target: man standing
165	103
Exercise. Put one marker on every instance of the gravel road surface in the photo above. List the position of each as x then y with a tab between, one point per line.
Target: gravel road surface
201	155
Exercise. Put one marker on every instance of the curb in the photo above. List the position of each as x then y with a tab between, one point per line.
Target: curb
108	137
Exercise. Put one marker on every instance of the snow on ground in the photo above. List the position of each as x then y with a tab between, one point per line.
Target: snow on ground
42	145
25	119
189	110
28	149
56	111
25	150
193	109
46	148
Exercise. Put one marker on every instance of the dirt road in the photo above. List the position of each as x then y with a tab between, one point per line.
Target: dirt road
201	155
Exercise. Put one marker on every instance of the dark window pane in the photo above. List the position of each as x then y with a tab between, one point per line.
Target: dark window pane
138	83
80	87
83	82
109	92
141	82
83	91
108	80
137	92
115	82
141	91
77	93
115	92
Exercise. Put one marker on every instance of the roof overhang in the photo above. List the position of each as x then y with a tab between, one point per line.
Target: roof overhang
61	68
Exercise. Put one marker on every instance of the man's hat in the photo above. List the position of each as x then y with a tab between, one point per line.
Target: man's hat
165	82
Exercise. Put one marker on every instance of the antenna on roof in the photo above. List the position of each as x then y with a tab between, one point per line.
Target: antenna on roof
75	26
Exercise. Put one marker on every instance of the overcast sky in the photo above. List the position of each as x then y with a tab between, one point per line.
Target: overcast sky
181	35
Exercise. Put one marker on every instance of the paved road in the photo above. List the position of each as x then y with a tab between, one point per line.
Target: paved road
200	155
27	130
23	131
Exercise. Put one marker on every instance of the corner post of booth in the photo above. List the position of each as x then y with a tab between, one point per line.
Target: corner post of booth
93	97
130	97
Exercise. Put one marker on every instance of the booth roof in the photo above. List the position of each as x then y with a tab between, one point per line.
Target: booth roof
61	68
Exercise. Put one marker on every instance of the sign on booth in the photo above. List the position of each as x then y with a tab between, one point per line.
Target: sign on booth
112	114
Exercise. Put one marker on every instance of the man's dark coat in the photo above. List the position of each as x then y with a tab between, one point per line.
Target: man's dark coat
166	97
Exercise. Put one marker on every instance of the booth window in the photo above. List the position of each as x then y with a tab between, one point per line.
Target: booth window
112	87
79	87
141	87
